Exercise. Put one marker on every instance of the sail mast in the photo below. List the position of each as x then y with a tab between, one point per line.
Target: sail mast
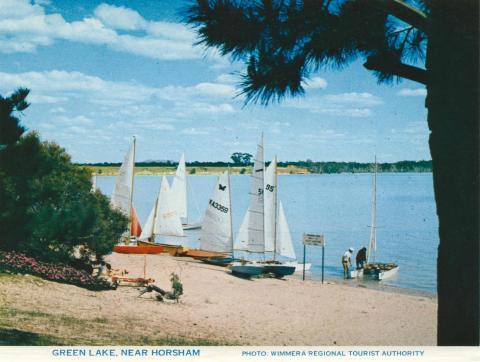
275	211
154	218
256	211
230	207
132	184
373	227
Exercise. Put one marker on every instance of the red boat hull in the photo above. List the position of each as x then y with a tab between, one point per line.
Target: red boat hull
135	249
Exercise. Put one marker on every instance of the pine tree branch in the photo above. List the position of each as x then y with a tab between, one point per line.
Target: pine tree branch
399	69
407	14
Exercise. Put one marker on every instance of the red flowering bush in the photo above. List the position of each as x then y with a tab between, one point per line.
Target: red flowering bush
21	263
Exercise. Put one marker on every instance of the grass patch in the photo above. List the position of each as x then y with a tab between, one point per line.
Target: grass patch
16	337
93	332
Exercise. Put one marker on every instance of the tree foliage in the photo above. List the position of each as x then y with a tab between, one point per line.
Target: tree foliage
10	128
283	41
47	209
241	158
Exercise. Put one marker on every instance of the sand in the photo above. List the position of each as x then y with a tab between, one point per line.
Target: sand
221	308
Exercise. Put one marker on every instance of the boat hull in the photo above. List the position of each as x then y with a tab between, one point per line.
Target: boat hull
380	271
279	270
167	248
247	270
136	249
298	266
218	260
197	254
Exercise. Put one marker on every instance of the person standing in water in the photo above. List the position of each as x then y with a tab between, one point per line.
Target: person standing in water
361	258
346	262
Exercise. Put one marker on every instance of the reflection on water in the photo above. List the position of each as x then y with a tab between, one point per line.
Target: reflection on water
337	206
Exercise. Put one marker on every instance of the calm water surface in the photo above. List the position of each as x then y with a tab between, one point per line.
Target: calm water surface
338	206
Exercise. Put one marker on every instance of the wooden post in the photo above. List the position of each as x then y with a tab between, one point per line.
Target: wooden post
304	257
323	259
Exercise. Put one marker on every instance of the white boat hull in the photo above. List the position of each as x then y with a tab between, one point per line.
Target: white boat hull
298	266
384	274
380	271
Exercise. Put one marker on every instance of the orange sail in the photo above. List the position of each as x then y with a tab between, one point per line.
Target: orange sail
136	229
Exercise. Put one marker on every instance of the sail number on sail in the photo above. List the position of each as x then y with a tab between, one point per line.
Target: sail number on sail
269	188
217	206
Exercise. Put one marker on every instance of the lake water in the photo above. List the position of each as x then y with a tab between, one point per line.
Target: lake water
338	206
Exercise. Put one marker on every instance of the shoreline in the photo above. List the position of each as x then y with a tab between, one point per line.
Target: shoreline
207	171
369	285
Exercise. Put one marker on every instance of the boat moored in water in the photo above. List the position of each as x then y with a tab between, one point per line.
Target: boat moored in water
380	271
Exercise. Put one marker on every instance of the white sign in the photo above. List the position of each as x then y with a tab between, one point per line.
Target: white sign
313	239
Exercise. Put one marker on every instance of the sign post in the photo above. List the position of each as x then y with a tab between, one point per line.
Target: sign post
304	257
316	240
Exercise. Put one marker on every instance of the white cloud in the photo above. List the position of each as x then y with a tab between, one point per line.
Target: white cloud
357	105
227	78
315	83
25	26
39	99
119	17
361	99
195	131
408	92
75	84
58	110
216	89
74	121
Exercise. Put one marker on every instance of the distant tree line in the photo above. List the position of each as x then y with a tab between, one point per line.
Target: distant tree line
311	166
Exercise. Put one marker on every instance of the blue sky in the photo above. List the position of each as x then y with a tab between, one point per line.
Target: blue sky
102	72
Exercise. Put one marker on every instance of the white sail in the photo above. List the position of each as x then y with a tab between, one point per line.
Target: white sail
241	241
167	221
217	228
270	205
256	222
147	231
179	189
122	192
372	245
284	245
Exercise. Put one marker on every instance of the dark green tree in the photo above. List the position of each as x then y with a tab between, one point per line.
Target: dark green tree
246	159
10	128
283	42
241	159
46	207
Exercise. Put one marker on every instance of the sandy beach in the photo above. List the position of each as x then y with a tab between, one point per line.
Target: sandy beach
216	308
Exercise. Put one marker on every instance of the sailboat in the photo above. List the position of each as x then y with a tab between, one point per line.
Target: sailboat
179	195
216	240
374	270
277	233
122	195
251	236
163	220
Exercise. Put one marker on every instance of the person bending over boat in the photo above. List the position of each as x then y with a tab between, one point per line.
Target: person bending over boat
346	262
361	257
